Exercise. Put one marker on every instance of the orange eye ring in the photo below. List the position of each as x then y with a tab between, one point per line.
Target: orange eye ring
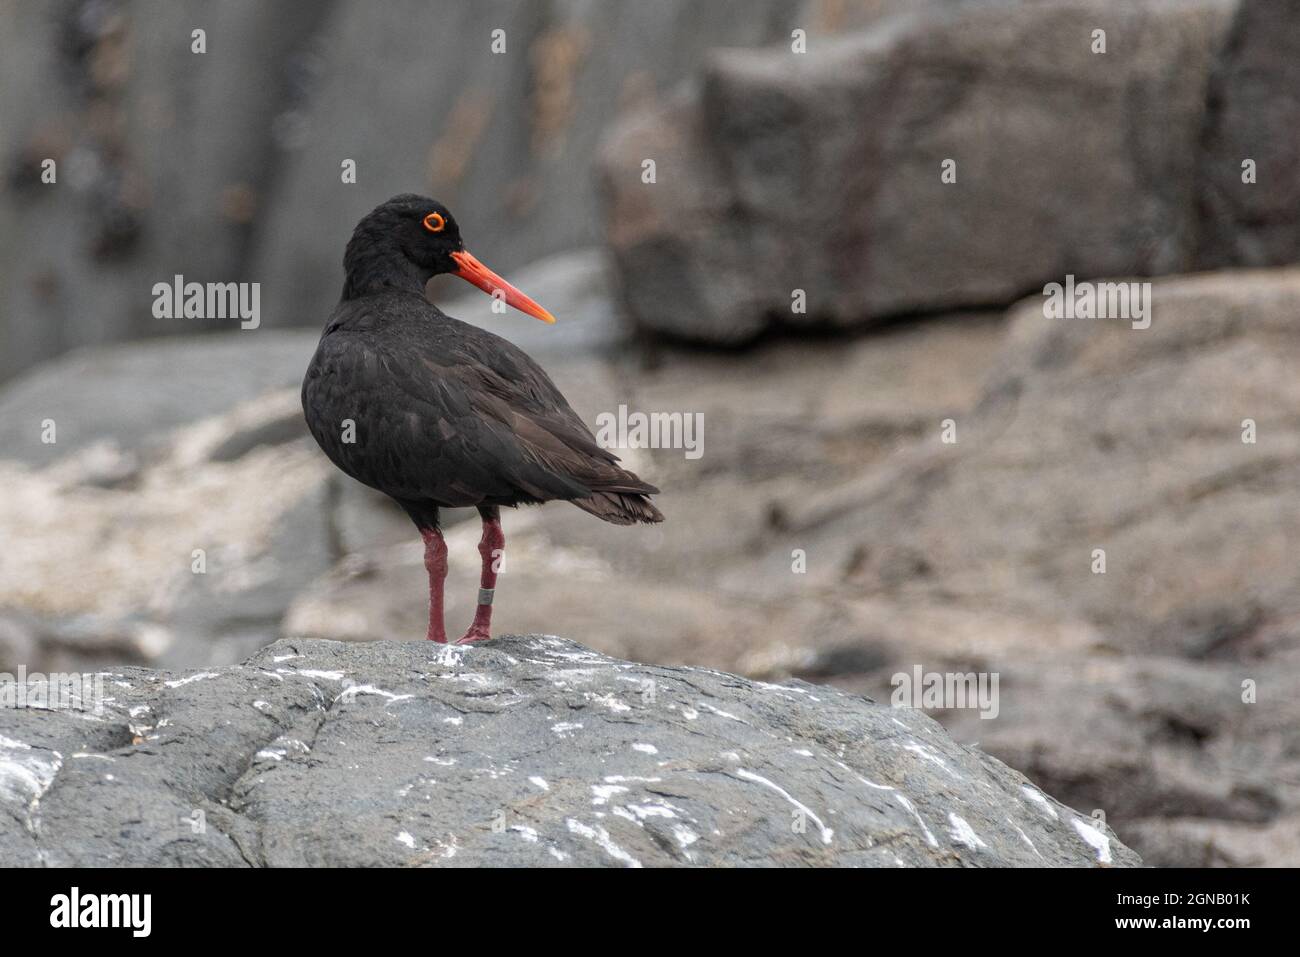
435	223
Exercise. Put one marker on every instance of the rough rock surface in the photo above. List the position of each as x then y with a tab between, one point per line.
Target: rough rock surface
1067	160
525	751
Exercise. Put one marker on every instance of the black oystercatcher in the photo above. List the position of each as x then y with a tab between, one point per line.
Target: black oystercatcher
437	413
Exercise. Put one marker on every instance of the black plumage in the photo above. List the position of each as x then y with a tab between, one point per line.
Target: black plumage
437	413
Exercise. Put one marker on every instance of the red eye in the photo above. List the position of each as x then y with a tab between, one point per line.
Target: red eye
434	223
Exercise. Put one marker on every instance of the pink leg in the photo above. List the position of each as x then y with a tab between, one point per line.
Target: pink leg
435	561
492	548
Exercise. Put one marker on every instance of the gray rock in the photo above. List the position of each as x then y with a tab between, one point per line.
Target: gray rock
164	159
1254	93
821	172
189	559
527	751
134	396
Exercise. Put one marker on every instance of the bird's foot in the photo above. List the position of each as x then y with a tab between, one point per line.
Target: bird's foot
473	635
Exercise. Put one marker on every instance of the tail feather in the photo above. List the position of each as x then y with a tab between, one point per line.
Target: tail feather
620	508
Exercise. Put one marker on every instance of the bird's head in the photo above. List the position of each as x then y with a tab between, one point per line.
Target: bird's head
424	234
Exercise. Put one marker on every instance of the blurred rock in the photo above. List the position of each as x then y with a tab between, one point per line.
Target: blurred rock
219	165
154	146
1254	92
780	172
202	543
227	165
132	396
401	754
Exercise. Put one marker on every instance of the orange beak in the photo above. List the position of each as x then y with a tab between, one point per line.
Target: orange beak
473	271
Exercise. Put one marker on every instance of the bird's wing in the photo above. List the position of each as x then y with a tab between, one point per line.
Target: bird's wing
501	418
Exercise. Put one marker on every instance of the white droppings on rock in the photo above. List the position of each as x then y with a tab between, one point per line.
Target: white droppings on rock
645	748
1025	837
539	783
453	720
1095	839
609	701
279	658
684	835
720	713
450	655
449	848
962	833
406	839
565	728
527	833
273	754
603	792
868	783
826	832
190	679
600	837
470	678
312	673
443	762
929	754
350	693
1037	797
911	809
26	773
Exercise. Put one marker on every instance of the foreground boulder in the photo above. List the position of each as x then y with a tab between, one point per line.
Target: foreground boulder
824	172
526	751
